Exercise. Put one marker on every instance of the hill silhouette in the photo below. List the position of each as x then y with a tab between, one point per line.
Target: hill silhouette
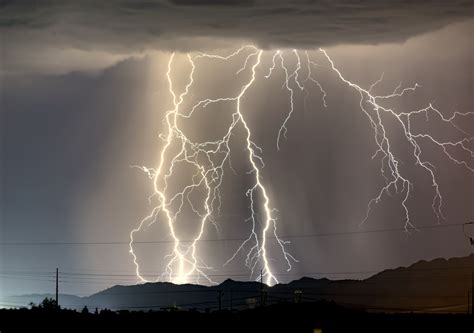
440	285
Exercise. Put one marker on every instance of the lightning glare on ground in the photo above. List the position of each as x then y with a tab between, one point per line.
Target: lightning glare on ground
209	159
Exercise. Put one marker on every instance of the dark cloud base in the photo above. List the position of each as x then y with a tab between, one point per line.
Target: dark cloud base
155	24
59	36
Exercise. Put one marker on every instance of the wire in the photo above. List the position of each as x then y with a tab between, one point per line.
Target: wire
23	278
111	278
329	234
397	270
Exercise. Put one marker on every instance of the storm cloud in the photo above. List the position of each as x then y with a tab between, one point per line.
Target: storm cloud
36	33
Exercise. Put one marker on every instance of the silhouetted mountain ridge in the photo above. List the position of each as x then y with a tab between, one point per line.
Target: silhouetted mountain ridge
436	285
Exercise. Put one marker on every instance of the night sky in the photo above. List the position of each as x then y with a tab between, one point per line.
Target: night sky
84	93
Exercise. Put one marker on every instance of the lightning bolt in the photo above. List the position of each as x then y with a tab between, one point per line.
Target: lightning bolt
209	160
390	163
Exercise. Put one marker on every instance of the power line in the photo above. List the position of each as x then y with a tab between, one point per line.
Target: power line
407	279
67	274
23	278
328	234
131	282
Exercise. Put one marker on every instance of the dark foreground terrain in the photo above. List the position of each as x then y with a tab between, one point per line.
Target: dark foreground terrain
285	317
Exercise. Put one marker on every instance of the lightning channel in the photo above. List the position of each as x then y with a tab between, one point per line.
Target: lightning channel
210	159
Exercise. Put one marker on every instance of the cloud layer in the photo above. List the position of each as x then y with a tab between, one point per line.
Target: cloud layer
127	27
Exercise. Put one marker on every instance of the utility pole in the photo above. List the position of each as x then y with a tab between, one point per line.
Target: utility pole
231	299
57	287
261	287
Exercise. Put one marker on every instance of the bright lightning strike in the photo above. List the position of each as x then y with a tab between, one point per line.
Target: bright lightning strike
390	163
209	159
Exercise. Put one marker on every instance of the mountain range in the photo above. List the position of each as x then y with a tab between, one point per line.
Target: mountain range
440	285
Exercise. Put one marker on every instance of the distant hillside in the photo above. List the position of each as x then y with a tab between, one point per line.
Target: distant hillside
439	285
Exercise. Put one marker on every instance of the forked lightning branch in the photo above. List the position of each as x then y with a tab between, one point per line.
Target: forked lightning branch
210	159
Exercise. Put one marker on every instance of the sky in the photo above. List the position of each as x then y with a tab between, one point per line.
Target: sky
84	93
